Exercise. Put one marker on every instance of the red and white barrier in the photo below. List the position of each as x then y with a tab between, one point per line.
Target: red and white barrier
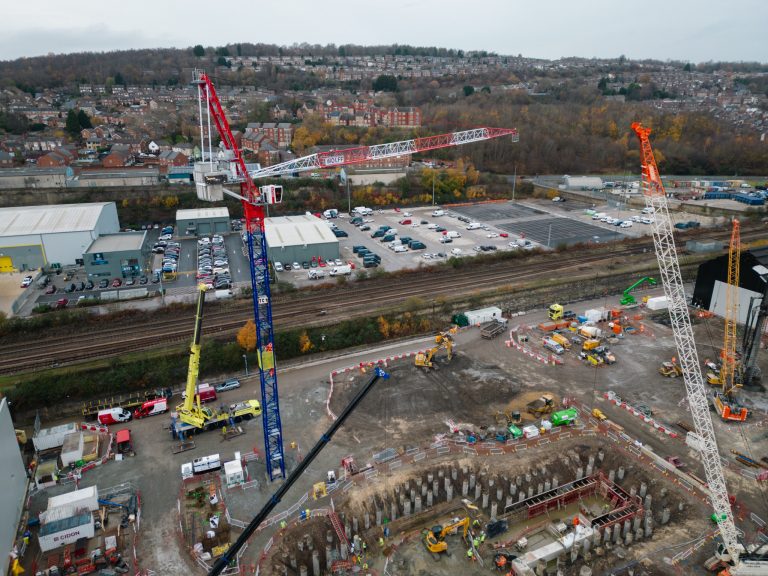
101	429
643	417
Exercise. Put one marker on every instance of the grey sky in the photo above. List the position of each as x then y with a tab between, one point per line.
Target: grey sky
688	30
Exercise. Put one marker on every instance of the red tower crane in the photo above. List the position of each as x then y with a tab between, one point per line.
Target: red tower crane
229	167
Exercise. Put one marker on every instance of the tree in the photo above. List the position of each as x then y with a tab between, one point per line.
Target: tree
119	79
73	124
485	89
385	83
223	51
305	344
469	90
246	336
84	120
198	51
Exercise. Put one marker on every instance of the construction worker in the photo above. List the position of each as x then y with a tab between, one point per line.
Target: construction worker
365	547
365	565
470	554
283	524
381	541
475	523
482	536
476	542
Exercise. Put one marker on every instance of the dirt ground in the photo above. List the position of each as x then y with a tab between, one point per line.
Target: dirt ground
10	289
413	407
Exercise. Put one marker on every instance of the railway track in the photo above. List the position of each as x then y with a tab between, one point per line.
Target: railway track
291	313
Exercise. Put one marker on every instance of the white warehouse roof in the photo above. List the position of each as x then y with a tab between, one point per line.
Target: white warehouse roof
23	220
297	231
200	213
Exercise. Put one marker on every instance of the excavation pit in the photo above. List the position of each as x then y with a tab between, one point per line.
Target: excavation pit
577	501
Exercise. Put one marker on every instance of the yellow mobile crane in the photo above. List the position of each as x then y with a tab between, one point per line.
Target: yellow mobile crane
191	415
442	340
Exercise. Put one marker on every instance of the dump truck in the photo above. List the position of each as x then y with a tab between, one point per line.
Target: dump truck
491	329
597	413
590	344
564	417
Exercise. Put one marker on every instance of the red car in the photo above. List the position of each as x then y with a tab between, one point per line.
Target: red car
504	235
116	283
51	289
61	303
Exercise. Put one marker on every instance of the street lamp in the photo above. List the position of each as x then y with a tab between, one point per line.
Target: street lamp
433	186
245	359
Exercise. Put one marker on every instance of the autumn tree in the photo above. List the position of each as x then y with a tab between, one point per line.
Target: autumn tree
384	327
305	344
246	336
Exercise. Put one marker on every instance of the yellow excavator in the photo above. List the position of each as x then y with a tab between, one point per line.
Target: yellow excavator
670	369
434	539
442	340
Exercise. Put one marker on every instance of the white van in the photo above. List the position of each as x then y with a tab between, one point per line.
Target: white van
647	210
223	294
474	226
331	213
201	466
315	274
453	234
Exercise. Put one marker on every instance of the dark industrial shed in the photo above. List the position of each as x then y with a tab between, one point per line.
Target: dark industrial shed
712	277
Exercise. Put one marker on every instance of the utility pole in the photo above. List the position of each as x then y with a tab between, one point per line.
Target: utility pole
433	187
514	183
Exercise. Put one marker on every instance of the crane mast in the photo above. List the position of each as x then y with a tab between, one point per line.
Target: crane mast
731	311
229	167
669	267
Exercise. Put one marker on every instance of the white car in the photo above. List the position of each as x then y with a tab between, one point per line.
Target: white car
337	262
279	267
407	214
415	225
427	256
438	212
514	245
400	248
431	226
296	266
625	224
492	235
456	251
26	282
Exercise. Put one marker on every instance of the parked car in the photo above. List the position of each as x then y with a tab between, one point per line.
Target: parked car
26	282
80	286
116	283
89	285
130	282
51	289
296	266
230	384
278	266
143	280
69	287
61	303
103	283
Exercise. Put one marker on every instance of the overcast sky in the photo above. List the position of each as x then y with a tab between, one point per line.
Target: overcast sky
687	30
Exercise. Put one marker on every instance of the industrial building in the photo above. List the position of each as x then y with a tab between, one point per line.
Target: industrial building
712	278
13	479
35	177
35	236
123	255
202	221
299	239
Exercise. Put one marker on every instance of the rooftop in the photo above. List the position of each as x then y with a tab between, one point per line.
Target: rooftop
118	242
20	220
199	213
297	231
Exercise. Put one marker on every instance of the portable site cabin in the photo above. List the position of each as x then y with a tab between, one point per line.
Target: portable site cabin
476	317
233	473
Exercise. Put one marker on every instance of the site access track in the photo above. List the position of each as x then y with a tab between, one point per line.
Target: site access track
355	300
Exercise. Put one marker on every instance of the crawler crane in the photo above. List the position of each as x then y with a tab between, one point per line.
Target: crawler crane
227	166
191	416
731	552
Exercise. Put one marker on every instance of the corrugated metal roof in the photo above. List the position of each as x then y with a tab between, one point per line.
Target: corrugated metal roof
117	242
198	213
297	231
20	220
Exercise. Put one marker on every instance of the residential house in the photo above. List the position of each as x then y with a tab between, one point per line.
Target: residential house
171	158
118	158
281	134
6	159
62	156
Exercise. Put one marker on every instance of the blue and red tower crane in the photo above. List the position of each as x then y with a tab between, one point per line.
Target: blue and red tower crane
229	167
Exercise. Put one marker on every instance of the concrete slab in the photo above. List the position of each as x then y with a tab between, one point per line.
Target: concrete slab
562	231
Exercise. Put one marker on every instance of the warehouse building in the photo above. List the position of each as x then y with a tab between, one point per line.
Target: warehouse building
202	221
13	479
712	279
299	238
124	255
35	236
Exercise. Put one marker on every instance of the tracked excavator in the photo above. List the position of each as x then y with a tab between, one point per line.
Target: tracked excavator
444	340
434	539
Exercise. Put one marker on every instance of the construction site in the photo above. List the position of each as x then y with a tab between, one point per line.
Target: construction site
621	434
